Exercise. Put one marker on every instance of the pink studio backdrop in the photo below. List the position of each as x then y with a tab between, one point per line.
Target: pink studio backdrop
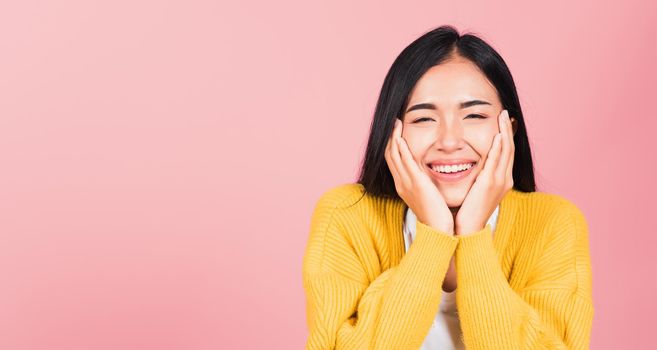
161	159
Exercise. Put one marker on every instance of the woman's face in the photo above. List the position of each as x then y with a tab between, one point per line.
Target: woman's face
444	130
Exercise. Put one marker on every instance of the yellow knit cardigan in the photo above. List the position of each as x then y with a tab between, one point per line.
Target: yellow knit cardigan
528	286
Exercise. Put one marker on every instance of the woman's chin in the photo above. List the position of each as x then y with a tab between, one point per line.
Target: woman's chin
454	203
454	199
454	195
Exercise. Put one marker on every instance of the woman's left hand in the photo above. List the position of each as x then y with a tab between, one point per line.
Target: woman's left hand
492	183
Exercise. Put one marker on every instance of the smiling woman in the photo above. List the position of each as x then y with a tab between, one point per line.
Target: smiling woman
446	197
451	123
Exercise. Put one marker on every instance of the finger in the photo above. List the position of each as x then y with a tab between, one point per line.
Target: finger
501	170
493	157
396	156
410	166
512	152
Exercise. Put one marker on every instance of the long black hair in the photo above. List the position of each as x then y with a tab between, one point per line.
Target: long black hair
431	49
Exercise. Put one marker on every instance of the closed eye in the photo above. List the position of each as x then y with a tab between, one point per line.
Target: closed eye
475	116
421	119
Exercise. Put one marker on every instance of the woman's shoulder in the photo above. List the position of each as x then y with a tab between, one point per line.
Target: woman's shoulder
341	196
350	202
550	207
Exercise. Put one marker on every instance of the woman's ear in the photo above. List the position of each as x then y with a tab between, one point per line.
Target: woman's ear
514	125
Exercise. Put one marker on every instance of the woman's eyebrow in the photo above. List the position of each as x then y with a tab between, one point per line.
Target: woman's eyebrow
463	105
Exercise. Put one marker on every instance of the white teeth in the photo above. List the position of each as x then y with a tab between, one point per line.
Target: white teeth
452	168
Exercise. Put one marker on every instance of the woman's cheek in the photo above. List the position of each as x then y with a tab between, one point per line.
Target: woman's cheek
482	140
414	144
415	151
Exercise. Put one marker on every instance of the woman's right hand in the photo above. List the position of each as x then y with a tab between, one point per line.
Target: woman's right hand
414	186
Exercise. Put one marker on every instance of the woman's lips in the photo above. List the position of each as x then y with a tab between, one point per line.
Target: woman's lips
451	177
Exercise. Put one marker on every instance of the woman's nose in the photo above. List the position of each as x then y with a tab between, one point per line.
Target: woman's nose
450	138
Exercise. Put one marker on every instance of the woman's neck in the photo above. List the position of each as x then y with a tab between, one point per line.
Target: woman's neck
454	211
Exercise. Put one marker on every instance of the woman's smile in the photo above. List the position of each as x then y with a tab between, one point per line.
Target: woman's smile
454	173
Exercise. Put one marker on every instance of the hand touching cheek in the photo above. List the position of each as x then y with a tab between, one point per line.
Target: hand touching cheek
492	183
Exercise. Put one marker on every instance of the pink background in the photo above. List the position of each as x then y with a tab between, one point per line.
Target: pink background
161	160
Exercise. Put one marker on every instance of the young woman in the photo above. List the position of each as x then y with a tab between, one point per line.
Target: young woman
444	242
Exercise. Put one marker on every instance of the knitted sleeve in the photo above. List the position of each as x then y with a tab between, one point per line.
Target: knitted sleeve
346	311
553	311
